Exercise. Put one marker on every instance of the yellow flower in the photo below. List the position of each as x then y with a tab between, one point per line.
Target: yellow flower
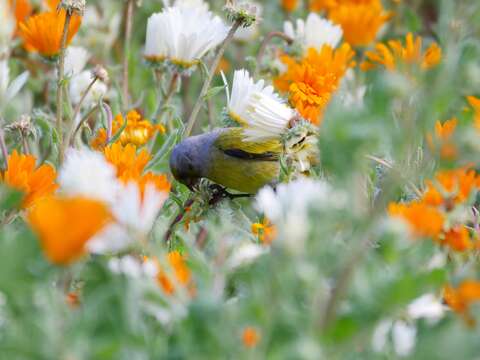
250	337
128	163
424	220
42	33
360	20
138	131
395	53
64	225
311	81
36	183
289	5
265	231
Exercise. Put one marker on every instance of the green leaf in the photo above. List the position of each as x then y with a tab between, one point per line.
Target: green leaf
10	198
213	91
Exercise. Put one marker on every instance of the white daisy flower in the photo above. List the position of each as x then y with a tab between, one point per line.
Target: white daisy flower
314	32
288	206
257	107
266	117
76	59
87	173
7	26
427	306
135	216
187	3
183	35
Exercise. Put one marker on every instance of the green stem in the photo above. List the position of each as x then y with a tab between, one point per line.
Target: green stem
71	132
60	86
208	80
126	49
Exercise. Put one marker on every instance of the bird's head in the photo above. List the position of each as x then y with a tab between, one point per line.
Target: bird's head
190	158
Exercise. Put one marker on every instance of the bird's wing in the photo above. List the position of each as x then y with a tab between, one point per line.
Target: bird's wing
231	142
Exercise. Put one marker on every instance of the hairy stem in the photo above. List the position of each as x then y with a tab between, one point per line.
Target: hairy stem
126	51
3	148
263	47
208	80
69	139
60	85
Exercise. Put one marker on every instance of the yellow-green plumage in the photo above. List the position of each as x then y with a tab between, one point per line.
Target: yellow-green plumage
223	157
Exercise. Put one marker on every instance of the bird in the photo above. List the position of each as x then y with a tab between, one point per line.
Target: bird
224	157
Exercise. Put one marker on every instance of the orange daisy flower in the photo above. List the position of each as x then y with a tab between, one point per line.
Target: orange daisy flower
128	163
64	225
319	5
137	131
159	181
22	174
360	20
42	33
250	337
289	5
443	134
461	298
451	187
22	9
457	238
395	53
424	220
180	271
311	82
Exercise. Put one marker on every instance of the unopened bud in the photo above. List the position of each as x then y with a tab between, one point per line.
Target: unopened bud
100	73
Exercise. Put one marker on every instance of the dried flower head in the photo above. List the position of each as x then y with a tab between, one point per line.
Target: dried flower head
73	6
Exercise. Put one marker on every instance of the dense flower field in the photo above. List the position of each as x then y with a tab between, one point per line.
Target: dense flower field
280	179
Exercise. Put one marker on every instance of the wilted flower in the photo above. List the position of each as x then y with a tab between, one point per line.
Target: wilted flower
42	33
64	225
314	32
393	55
182	35
79	85
22	174
245	34
73	6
